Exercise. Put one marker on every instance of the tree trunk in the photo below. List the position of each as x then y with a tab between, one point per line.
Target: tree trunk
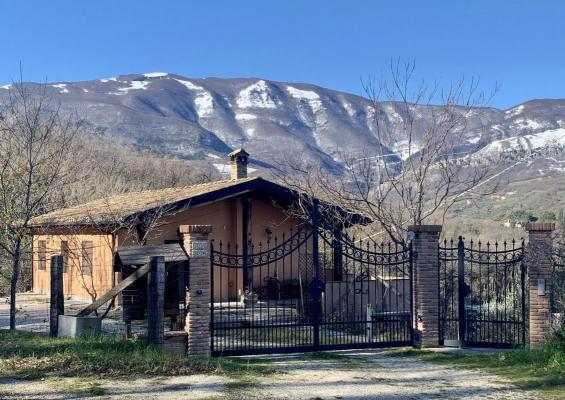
14	284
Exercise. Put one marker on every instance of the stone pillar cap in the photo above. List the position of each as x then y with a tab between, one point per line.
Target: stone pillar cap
425	228
540	226
195	228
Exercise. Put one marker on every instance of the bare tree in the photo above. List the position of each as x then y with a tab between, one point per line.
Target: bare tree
423	176
136	229
34	139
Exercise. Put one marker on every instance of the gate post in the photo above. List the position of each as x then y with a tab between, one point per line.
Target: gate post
194	239
539	267
156	301
57	300
426	281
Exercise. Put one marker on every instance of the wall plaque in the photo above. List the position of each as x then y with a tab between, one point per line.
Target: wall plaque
199	248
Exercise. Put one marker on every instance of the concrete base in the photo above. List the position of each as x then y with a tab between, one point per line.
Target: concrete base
73	326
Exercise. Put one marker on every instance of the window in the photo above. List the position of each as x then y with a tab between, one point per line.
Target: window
65	254
87	255
42	253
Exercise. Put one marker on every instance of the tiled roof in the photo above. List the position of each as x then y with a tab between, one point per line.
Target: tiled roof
119	207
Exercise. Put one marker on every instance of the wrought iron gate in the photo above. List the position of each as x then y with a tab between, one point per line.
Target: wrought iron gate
482	294
310	290
558	286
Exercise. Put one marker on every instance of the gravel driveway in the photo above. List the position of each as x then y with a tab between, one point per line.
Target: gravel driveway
338	375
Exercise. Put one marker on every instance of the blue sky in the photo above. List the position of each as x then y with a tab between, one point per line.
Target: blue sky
518	44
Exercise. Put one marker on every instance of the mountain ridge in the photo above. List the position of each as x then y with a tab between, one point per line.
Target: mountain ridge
205	118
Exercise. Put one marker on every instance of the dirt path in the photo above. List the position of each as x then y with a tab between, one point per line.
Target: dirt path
373	375
166	388
343	375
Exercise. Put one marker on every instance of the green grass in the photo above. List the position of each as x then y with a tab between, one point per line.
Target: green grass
32	356
541	370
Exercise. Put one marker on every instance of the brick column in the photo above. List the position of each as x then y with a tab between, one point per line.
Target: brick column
425	246
194	239
539	266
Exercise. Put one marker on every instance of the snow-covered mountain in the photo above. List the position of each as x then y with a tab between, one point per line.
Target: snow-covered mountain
206	118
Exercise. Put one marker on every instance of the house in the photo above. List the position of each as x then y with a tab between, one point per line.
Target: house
241	209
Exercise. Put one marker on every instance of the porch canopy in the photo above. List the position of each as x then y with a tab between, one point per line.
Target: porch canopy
140	255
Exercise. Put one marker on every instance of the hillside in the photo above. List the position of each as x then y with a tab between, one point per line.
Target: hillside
203	119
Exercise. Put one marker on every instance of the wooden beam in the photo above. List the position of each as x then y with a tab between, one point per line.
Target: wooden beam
156	301
182	281
57	306
141	271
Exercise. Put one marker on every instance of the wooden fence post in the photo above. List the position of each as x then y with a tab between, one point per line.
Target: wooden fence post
57	301
156	301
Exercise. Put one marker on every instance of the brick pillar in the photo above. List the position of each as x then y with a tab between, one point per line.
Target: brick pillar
194	239
425	246
539	266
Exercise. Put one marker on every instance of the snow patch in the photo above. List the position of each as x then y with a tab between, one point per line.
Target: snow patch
245	117
212	155
222	168
515	110
135	85
6	86
405	149
258	95
62	87
155	74
106	80
349	108
528	123
203	100
527	142
394	116
474	140
312	98
302	94
85	90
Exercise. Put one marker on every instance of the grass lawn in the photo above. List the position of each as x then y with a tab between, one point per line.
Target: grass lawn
32	356
541	370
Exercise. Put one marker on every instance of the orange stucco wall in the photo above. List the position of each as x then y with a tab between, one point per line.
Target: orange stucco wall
225	216
76	283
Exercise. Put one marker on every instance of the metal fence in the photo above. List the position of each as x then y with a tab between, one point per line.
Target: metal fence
482	294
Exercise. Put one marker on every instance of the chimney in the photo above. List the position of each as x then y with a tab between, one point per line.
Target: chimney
239	160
